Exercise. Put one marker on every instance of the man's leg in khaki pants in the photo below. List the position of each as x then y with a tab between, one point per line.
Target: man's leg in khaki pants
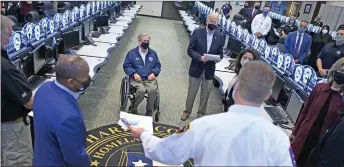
152	91
140	94
16	144
190	99
206	86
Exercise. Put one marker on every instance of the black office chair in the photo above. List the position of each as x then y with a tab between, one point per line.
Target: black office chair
239	20
32	17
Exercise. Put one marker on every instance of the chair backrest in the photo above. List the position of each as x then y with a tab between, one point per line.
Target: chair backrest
280	47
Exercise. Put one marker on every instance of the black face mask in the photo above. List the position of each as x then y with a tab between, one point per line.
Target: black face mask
257	7
338	78
85	85
145	45
212	27
245	6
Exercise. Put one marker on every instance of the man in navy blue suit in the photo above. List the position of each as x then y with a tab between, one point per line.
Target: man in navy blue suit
60	130
205	40
298	43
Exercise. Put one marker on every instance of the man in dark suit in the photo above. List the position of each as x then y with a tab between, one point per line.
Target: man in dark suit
298	43
250	14
60	130
206	40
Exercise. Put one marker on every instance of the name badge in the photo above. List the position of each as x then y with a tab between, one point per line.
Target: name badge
137	58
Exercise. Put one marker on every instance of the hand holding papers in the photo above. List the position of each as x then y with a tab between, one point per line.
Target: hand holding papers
136	121
211	57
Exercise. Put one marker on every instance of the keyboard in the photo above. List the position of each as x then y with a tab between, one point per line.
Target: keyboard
276	115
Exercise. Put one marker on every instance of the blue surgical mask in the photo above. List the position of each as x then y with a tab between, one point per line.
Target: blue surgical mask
265	12
302	30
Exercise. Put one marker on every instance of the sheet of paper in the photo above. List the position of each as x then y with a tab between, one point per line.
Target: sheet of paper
211	57
140	121
155	163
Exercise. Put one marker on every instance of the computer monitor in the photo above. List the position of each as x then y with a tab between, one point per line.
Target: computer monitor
277	87
234	45
102	21
27	65
91	24
17	63
39	58
87	29
294	106
70	39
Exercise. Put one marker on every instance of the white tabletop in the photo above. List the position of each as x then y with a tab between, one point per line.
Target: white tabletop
101	50
116	29
108	38
125	18
93	63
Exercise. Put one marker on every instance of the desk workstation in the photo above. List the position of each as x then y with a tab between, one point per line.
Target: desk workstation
293	84
36	49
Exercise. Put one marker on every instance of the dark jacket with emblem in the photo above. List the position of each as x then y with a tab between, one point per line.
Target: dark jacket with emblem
310	112
198	47
133	63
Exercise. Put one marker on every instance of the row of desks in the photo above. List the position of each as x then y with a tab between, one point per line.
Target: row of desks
224	77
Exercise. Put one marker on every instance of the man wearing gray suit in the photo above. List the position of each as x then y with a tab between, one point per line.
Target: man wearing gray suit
205	40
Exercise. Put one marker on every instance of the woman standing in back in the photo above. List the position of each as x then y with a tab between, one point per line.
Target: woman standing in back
318	42
318	114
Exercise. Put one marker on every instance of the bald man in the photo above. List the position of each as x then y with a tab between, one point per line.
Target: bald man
59	125
205	40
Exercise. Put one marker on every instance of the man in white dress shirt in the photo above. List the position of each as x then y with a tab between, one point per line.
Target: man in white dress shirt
239	137
261	24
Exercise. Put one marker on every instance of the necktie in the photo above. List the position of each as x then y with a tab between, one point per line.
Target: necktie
296	49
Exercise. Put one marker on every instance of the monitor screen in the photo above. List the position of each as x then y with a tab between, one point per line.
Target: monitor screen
70	39
27	65
294	106
234	45
39	59
86	28
277	87
17	63
102	21
91	24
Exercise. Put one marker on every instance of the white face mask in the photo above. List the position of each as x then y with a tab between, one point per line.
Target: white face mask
243	62
324	31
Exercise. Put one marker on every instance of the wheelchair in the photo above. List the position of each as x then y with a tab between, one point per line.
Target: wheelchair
128	93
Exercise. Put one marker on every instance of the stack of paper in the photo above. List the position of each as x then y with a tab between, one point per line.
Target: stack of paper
137	121
211	57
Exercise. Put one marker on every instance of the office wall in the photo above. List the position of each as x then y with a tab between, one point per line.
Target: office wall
307	16
335	3
332	15
153	8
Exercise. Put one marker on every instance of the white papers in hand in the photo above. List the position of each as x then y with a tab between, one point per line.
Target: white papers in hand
138	121
211	57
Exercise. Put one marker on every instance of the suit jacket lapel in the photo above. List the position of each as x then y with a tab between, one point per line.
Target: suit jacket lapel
213	41
204	37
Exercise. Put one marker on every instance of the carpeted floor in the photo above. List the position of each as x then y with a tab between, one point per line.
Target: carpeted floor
169	39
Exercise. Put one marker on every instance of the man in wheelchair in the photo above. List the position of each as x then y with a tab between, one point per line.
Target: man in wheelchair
142	65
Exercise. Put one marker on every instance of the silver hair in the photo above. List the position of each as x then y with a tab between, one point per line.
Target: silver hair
143	35
5	22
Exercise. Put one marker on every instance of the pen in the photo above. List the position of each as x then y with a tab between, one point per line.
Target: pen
124	121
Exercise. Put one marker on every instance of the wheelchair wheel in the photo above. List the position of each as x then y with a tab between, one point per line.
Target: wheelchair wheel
124	94
157	109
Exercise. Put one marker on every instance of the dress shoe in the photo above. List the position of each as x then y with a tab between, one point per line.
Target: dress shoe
184	116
